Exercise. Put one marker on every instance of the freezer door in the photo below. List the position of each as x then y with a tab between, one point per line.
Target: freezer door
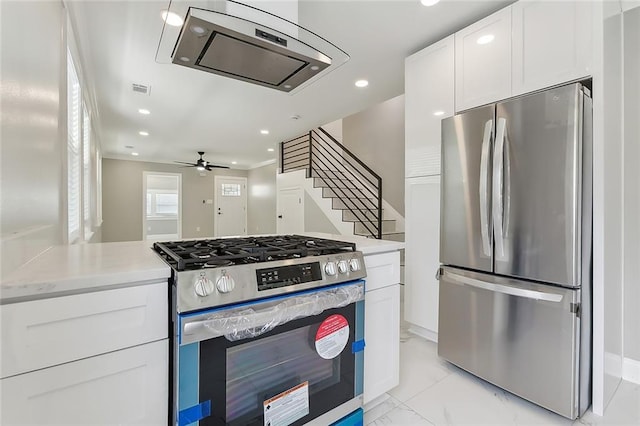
520	336
465	215
537	184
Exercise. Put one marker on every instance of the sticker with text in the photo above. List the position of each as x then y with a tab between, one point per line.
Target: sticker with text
288	406
332	336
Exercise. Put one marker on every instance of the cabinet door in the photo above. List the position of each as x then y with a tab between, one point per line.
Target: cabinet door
382	338
429	97
422	242
483	61
552	43
43	333
128	387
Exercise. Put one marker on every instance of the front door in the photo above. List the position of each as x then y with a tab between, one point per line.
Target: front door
230	206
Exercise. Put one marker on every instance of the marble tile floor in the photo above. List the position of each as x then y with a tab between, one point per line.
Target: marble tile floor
434	392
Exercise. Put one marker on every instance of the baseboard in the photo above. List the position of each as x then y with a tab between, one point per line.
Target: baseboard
423	332
631	370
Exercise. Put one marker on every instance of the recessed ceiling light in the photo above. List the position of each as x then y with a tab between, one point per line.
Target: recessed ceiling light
488	38
171	18
135	154
198	29
438	113
362	83
315	68
264	131
143	133
184	59
234	162
287	86
429	2
144	111
270	150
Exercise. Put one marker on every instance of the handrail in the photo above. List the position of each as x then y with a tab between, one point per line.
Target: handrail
335	167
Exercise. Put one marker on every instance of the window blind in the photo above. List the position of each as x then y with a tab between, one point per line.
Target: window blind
73	150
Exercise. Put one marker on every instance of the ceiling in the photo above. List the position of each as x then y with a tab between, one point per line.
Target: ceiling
196	111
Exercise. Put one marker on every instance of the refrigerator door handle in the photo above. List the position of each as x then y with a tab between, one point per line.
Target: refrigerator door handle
484	189
499	288
498	183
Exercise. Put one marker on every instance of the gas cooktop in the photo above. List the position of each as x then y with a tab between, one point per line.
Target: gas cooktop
199	254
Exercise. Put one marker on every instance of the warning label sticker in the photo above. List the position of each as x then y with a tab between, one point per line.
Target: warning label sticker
288	406
332	336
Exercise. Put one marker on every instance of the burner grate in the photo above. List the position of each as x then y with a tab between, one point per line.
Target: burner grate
197	254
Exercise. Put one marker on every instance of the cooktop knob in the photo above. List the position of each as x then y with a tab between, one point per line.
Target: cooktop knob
330	269
203	286
354	265
225	284
343	268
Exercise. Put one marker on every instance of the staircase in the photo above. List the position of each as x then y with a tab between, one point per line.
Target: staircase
353	187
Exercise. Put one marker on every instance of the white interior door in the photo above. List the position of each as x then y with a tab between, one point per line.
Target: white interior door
162	206
290	211
230	206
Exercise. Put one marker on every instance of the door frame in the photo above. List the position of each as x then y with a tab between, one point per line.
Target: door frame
279	212
243	181
147	173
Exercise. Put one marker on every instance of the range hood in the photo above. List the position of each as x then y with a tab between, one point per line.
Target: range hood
246	43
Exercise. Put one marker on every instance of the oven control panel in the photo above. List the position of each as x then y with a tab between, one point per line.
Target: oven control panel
283	276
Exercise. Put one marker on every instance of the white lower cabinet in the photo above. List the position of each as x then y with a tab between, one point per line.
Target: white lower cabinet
128	386
422	239
381	324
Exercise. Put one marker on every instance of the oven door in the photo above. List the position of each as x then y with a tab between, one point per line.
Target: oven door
286	360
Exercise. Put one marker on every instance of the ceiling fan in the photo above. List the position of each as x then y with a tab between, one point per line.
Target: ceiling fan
202	164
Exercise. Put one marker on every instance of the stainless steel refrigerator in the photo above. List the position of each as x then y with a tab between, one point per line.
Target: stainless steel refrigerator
515	246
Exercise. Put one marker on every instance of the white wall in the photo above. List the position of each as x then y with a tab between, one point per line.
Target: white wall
632	185
261	202
33	133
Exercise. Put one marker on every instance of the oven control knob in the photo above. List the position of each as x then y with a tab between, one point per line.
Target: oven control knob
330	269
354	265
204	286
225	284
343	268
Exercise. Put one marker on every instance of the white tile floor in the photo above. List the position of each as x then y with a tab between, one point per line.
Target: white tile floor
434	392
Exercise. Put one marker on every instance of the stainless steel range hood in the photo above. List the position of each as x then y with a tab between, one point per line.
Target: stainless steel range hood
250	48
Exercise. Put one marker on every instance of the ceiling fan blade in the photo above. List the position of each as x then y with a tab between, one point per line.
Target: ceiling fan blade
212	166
182	162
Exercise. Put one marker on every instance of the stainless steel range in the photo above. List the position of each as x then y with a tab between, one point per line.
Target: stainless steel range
266	330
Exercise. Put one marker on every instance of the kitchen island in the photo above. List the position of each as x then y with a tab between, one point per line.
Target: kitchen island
85	333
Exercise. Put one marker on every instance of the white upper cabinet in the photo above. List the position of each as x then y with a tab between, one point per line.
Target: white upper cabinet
429	97
483	61
551	43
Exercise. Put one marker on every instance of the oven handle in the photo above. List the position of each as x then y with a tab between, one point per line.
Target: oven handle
253	320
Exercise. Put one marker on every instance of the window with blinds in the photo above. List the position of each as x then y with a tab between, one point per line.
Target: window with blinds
74	118
86	172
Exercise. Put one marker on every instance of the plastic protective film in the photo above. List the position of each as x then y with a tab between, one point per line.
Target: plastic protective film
247	322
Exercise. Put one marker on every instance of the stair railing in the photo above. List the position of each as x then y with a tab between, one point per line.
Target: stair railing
358	188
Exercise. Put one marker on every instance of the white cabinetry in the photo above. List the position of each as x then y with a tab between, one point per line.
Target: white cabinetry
129	386
483	61
422	209
428	98
552	43
92	358
382	324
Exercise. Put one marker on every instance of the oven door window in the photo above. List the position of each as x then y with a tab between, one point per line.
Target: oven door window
238	377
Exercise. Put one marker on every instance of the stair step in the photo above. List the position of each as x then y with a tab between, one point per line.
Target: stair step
334	183
353	203
348	193
334	174
389	236
360	228
355	215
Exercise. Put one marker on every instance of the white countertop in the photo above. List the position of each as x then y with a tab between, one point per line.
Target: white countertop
365	245
81	268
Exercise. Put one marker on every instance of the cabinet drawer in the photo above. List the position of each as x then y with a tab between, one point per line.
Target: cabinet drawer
42	333
127	387
383	270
